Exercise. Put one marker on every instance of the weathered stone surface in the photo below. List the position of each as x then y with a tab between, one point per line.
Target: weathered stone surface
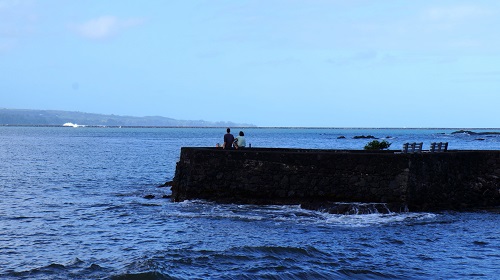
455	180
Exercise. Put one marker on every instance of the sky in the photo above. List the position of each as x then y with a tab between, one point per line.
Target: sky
298	63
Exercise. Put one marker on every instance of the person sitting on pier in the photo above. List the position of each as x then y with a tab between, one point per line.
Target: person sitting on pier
240	141
228	139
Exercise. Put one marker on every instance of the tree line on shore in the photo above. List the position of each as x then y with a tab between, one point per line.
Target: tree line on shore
57	117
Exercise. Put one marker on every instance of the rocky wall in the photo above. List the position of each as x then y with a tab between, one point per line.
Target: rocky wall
317	178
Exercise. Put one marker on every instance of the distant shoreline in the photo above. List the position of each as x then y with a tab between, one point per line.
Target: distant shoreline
29	117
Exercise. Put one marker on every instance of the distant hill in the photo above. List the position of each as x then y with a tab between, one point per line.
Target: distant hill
54	117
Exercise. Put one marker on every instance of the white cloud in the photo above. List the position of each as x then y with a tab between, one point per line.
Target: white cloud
105	26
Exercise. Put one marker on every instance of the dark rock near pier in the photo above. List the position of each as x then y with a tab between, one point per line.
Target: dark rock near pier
365	137
166	184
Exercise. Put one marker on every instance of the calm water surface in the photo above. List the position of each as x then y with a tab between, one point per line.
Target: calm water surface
72	206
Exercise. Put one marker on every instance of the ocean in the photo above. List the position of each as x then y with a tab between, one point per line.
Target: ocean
73	206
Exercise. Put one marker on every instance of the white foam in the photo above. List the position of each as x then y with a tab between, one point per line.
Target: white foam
291	213
375	219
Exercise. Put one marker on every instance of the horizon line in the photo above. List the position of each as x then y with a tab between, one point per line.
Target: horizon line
250	127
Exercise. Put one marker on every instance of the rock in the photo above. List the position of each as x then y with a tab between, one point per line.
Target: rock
167	184
341	137
468	132
365	137
149	196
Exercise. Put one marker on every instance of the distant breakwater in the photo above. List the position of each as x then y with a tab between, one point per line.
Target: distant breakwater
330	179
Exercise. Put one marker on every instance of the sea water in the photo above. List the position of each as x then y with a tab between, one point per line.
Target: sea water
73	206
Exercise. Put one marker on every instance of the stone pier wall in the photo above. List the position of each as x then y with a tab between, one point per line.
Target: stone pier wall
454	180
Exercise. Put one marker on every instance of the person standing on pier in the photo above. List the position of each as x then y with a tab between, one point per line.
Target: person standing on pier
228	139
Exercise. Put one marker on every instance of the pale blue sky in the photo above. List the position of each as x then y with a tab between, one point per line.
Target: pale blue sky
319	63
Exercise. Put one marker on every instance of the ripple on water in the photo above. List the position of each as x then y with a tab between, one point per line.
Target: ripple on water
247	262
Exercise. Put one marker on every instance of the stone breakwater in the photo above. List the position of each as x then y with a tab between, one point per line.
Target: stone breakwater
320	179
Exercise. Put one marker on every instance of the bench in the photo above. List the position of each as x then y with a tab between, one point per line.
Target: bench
412	148
438	147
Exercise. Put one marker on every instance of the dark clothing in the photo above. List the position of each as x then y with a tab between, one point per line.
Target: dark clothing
228	141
